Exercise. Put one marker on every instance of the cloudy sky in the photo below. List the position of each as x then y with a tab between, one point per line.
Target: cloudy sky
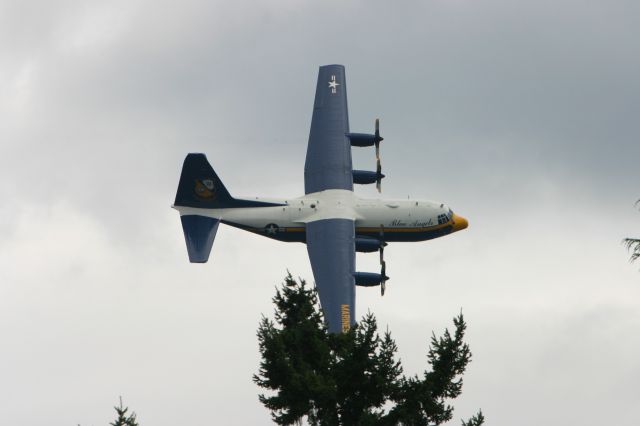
523	116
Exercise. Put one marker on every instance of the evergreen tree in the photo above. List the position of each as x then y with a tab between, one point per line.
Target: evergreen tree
424	401
477	420
296	357
352	378
365	371
123	419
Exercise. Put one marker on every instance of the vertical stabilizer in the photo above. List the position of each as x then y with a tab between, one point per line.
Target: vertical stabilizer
200	186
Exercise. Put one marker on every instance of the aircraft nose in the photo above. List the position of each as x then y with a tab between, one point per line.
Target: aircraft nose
459	223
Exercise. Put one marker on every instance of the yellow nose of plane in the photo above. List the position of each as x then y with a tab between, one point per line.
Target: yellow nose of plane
459	223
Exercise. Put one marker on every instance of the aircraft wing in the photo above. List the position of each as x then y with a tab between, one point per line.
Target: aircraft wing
331	248
331	241
328	164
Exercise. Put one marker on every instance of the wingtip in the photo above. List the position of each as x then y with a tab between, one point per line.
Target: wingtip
331	65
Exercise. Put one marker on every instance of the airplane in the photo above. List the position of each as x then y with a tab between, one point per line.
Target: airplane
332	221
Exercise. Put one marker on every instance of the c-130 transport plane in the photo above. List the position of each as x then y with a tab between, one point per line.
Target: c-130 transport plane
332	221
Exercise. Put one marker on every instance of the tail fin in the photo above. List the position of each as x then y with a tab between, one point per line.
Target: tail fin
200	187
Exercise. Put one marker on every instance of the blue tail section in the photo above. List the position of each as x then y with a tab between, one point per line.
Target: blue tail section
199	233
200	187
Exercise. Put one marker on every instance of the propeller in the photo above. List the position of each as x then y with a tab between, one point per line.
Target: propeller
383	283
383	244
379	175
383	264
378	138
377	141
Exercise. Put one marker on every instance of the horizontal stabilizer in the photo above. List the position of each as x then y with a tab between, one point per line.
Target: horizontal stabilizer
199	233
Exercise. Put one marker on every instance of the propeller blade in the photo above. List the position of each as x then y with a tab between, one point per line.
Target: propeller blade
381	234
379	175
378	138
383	283
383	272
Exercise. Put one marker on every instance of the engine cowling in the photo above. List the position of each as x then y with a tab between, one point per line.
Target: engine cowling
369	279
362	139
365	177
367	244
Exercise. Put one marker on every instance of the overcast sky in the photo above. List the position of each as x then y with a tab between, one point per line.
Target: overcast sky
523	116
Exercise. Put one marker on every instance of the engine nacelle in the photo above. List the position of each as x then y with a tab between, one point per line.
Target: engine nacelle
368	279
364	177
361	139
367	244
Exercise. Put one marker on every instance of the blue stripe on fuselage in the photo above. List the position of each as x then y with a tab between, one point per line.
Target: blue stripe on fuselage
297	234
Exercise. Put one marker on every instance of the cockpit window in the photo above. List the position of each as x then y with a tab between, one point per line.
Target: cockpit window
442	218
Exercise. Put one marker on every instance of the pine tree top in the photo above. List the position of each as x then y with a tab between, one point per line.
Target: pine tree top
124	419
352	377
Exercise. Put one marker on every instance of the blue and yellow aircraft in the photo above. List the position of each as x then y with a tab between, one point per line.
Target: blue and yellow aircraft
332	221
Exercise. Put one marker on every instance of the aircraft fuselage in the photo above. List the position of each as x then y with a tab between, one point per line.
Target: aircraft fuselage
387	220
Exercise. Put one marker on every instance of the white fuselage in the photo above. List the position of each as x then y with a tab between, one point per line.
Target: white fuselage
399	220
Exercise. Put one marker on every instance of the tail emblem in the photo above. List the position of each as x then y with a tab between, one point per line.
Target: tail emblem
205	188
